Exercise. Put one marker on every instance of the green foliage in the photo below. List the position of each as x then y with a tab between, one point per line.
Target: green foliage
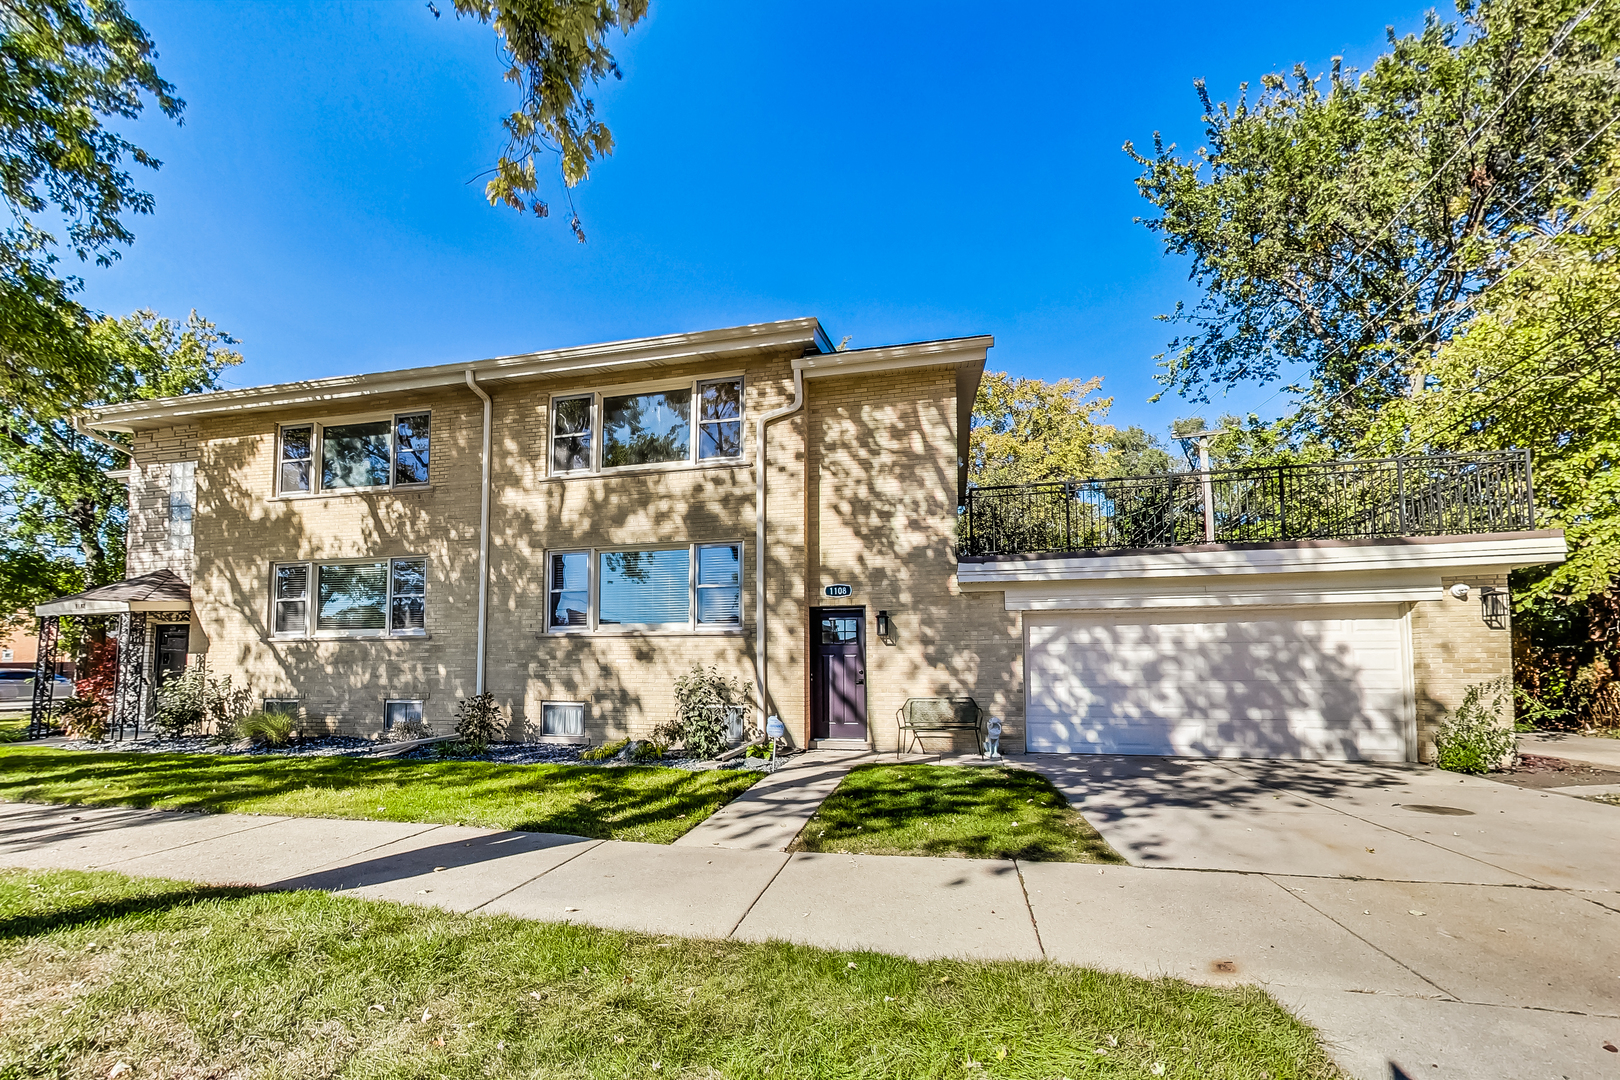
192	699
62	518
1025	430
267	728
1343	222
1474	739
605	751
553	50
704	700
70	65
82	718
479	721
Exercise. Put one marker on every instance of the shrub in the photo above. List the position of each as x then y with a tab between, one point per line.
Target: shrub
605	751
268	728
1473	739
704	700
190	700
478	720
647	750
408	731
82	718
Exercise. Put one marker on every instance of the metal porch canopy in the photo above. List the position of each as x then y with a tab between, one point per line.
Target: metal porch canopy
161	590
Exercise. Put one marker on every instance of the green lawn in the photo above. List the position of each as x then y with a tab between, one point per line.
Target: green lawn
977	812
654	805
13	727
177	980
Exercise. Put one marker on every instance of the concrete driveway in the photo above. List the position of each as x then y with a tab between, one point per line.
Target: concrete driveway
1431	923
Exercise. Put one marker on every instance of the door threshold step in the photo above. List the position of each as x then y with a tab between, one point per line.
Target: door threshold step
840	744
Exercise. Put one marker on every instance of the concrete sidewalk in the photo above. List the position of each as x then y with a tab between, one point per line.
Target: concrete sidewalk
1589	749
1490	954
769	815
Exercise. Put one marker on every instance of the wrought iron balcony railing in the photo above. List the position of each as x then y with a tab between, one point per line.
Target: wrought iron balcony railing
1433	495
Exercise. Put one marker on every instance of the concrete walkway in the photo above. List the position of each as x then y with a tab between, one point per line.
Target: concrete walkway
770	814
1591	749
1450	926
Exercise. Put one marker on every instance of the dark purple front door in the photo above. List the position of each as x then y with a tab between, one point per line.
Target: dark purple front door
838	675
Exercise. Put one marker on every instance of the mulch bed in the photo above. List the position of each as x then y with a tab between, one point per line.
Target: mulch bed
1534	771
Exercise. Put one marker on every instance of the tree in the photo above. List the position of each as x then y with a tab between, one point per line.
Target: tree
1348	223
1026	430
1536	369
553	50
62	518
65	67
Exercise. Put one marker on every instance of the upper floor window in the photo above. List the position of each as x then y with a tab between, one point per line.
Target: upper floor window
364	454
700	421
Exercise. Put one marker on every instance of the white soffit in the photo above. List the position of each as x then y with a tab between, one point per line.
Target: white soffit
896	357
1496	551
1290	590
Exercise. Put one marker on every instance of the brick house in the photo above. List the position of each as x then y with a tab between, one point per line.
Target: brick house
570	530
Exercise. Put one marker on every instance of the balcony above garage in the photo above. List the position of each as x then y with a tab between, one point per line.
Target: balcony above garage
1386	498
1382	531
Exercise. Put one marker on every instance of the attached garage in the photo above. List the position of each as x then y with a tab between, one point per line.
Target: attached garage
1251	683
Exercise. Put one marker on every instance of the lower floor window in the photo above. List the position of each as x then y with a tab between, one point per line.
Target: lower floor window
562	718
354	598
400	712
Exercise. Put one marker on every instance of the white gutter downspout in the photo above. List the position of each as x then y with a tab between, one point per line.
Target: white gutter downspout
761	675
483	535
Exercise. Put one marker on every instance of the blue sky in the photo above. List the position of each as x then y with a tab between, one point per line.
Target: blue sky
899	171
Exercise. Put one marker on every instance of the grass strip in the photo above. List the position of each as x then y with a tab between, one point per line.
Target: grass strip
178	980
652	805
975	812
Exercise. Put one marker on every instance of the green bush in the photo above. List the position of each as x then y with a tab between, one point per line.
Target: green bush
478	721
82	718
1473	739
704	700
605	751
646	750
268	728
187	701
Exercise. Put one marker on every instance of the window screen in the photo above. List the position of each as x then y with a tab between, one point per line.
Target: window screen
411	448
645	588
352	596
291	591
720	418
296	446
355	455
719	585
409	595
562	718
643	429
571	434
570	588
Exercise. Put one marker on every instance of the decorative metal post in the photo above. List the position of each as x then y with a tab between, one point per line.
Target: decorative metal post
39	720
129	689
1282	503
1400	496
1068	517
1209	490
1529	493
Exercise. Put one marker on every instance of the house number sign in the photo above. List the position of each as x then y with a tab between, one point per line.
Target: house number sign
838	590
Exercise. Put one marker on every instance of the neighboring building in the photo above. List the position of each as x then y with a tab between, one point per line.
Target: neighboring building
691	499
19	649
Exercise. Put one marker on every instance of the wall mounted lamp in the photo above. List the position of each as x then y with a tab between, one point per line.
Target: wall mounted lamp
885	627
1493	607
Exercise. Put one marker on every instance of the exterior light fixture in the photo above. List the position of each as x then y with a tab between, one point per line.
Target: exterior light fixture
885	627
1460	591
1493	607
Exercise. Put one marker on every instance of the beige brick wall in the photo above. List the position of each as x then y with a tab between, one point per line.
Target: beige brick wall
153	477
882	519
1453	649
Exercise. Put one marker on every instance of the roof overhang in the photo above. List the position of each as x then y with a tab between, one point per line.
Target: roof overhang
650	352
161	590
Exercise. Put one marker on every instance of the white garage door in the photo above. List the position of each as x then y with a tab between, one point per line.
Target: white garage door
1257	684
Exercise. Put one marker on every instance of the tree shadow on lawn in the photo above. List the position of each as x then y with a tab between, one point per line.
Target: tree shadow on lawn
605	803
943	810
158	897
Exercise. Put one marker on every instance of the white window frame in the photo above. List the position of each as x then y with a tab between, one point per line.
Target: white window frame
594	624
584	716
418	702
694	426
312	601
317	453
